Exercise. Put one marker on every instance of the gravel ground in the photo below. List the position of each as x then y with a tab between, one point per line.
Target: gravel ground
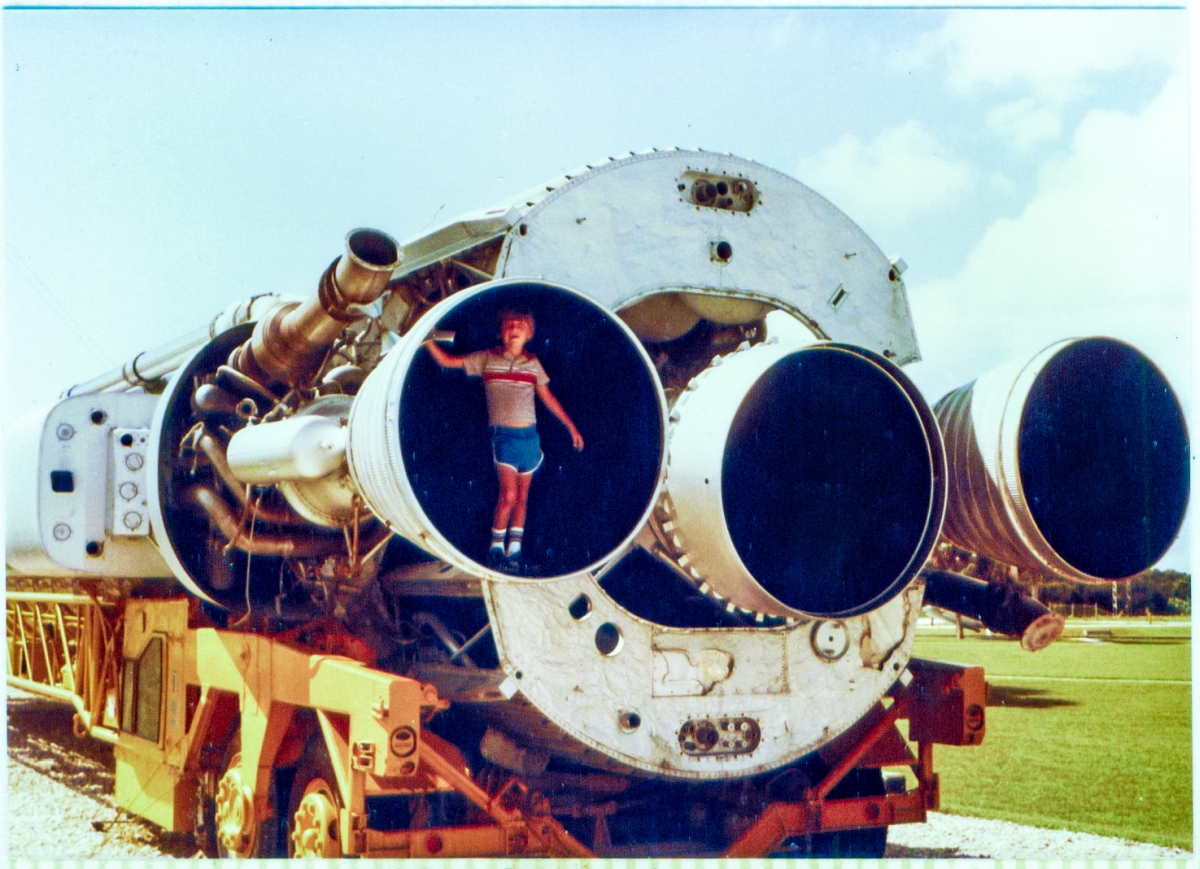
60	805
60	789
953	836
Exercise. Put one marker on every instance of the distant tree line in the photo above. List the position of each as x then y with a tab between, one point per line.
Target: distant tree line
1164	592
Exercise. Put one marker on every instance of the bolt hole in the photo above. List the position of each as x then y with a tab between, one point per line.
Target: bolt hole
722	187
523	229
724	251
608	639
629	721
126	440
891	274
580	607
98	417
519	674
93	548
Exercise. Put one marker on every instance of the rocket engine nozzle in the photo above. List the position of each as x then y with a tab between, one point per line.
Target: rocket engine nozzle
420	452
290	344
803	481
1075	462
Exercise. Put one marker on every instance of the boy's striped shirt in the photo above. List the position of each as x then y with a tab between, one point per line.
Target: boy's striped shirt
509	385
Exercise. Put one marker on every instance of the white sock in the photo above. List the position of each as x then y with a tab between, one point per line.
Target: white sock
514	541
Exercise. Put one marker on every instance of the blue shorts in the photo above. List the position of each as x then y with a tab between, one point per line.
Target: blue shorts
519	448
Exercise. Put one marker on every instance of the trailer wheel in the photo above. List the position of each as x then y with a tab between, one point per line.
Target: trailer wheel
239	834
314	805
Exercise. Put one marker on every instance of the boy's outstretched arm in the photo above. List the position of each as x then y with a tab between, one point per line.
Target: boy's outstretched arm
441	357
551	402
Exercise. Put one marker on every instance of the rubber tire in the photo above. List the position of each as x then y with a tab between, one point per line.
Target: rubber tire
314	764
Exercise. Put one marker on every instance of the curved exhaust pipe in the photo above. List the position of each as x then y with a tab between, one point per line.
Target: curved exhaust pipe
1073	463
803	480
419	445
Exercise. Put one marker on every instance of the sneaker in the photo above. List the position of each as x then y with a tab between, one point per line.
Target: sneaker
496	559
512	565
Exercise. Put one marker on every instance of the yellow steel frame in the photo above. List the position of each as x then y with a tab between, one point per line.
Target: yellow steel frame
65	647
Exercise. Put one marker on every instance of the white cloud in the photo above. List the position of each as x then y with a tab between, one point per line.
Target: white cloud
1024	124
1102	248
1051	51
902	173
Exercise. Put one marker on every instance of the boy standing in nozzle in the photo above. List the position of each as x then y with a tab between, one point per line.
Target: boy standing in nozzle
511	376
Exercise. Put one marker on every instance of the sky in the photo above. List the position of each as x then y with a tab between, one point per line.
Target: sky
1031	166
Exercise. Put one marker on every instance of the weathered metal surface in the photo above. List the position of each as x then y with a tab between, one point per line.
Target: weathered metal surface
624	687
65	512
623	230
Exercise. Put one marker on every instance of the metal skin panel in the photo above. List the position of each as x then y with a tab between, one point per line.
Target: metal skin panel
464	234
799	698
623	231
63	533
149	775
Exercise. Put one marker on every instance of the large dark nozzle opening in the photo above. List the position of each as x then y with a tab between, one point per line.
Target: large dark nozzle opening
1103	454
1075	462
832	481
582	505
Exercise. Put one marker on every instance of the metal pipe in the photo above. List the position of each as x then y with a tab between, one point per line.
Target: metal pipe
150	367
47	597
1001	607
291	344
211	448
261	544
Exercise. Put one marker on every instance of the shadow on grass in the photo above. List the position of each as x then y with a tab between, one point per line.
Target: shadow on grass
1024	698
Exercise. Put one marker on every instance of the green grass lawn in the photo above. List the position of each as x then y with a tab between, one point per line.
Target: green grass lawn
1088	736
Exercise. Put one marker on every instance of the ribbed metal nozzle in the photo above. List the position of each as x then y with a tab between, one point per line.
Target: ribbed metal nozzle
1073	463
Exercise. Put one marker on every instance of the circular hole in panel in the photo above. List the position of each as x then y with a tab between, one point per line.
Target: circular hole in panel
629	720
608	639
580	607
